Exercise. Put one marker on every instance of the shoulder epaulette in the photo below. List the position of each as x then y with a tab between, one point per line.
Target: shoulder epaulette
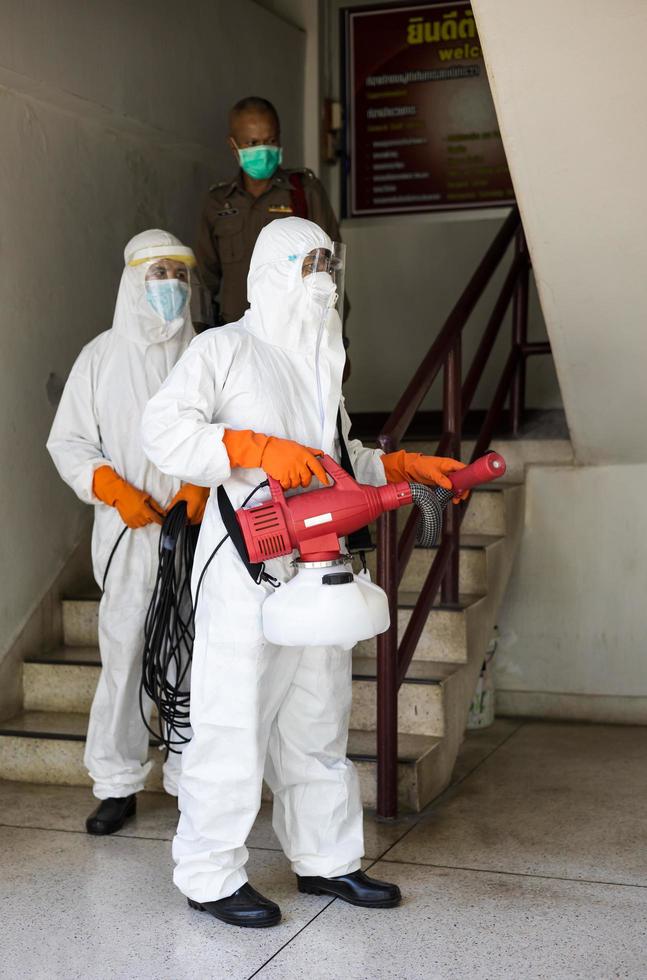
305	171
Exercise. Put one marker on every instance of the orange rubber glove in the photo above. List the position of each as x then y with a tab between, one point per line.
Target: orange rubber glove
292	464
136	507
196	501
416	468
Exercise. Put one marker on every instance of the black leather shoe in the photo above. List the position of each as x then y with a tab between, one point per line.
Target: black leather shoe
356	889
246	907
111	814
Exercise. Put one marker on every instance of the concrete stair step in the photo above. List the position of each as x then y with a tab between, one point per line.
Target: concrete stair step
65	680
81	621
421	702
444	637
422	773
62	681
47	747
486	513
473	564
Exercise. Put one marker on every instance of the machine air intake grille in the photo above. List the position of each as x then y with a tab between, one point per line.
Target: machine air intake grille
268	528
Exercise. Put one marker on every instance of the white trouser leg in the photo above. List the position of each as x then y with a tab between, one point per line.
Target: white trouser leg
171	772
318	815
117	747
116	750
300	701
236	694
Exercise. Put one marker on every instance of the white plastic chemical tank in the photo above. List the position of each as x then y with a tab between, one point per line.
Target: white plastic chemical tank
325	606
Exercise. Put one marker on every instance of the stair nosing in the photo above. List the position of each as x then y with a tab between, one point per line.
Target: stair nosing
51	658
50	736
425	681
435	741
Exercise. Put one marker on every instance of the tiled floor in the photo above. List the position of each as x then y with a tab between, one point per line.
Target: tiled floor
532	865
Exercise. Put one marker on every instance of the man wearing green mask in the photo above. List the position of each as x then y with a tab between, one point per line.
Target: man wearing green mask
236	210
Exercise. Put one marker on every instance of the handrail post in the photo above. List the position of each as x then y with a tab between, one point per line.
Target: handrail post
387	671
520	336
452	417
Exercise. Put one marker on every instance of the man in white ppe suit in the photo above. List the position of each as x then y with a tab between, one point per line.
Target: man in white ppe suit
247	400
96	446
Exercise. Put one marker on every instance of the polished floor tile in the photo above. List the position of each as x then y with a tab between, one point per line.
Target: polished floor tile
106	909
458	925
532	866
66	807
479	744
554	799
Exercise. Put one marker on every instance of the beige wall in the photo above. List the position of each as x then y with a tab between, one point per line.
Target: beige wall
569	82
404	275
574	621
306	15
112	119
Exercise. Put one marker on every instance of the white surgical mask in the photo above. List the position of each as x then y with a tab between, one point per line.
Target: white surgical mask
321	289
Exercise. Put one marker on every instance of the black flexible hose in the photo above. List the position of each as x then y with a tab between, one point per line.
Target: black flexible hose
431	502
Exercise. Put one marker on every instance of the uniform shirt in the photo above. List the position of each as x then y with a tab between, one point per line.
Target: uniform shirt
231	221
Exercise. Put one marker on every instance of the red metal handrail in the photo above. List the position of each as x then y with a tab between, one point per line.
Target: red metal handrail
393	659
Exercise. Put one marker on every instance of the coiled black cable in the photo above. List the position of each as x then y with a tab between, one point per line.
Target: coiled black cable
169	629
169	632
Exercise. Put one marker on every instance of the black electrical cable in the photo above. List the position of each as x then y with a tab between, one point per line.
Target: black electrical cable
170	629
112	555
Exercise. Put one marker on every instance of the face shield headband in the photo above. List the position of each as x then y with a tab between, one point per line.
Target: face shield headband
171	281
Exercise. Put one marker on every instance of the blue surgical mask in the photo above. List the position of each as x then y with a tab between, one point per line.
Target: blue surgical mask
260	162
168	297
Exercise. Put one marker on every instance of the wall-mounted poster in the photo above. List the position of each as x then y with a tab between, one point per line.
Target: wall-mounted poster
422	133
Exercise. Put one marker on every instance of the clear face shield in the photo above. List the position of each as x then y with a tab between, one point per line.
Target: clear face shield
322	271
172	285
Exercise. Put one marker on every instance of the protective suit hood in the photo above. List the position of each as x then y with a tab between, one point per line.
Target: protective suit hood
134	317
282	312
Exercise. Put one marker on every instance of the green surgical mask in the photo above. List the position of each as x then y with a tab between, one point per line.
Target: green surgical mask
260	162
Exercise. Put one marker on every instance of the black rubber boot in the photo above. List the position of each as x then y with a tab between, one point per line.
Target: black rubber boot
355	888
246	907
111	815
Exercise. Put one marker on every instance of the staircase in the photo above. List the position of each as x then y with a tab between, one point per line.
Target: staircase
45	742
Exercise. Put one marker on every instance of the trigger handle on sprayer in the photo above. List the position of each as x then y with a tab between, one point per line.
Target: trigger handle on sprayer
333	469
484	470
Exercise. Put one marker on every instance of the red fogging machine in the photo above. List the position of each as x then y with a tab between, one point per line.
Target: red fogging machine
326	604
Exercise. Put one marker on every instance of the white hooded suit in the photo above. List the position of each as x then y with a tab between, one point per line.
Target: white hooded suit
256	708
98	424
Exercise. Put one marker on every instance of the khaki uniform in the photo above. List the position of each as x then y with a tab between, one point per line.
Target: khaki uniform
231	222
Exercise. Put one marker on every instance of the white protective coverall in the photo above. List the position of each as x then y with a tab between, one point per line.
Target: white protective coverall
98	424
256	707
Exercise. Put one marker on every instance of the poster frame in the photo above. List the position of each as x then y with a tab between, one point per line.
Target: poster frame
346	86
